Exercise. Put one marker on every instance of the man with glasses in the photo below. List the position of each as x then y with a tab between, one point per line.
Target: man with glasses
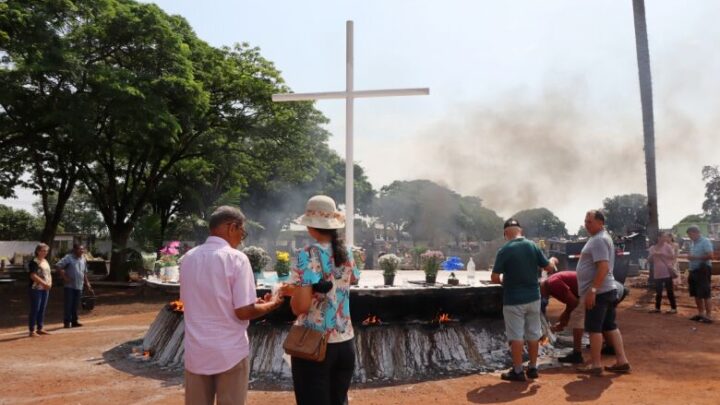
218	292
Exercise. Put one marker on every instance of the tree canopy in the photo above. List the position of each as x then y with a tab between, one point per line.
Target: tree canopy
541	223
711	205
626	213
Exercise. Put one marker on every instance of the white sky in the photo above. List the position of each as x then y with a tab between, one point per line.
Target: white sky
533	103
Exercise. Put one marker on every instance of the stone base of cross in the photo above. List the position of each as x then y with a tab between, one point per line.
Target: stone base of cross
350	94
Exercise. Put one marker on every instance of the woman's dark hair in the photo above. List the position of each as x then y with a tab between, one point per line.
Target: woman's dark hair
338	245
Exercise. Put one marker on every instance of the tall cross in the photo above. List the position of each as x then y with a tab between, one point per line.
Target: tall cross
350	94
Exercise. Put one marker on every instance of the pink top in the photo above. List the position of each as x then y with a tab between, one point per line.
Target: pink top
214	280
663	258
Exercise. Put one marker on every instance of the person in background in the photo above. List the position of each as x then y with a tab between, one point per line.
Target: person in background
662	256
40	284
518	262
73	270
321	300
563	286
700	274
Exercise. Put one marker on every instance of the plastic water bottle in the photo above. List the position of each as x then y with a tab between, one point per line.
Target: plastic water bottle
471	271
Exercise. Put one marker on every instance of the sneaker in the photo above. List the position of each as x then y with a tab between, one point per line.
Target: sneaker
511	375
589	369
532	373
572	358
619	368
654	311
696	318
607	351
671	311
704	319
42	332
76	324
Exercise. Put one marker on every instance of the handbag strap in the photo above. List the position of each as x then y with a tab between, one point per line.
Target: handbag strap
314	249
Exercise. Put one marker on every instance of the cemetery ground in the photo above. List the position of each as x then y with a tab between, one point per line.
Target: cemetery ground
674	360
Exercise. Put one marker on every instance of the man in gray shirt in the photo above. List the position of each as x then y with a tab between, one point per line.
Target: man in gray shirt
597	290
73	270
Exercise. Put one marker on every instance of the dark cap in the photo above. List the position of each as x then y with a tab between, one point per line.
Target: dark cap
511	222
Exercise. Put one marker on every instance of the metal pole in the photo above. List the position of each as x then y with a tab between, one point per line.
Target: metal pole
643	59
349	163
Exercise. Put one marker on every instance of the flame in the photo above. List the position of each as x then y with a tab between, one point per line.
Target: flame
544	341
371	320
146	354
177	306
444	318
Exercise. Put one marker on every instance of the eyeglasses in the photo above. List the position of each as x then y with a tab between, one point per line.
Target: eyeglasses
240	227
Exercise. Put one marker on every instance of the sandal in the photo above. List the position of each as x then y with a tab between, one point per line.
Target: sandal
589	369
618	368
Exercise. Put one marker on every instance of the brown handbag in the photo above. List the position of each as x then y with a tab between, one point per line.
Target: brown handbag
305	343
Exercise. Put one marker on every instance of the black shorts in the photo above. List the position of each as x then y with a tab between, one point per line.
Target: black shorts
699	282
602	317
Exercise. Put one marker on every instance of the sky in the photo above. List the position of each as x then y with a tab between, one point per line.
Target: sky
532	103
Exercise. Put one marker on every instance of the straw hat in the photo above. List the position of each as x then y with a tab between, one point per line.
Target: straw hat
321	213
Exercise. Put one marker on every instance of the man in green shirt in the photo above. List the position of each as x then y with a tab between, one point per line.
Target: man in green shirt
518	261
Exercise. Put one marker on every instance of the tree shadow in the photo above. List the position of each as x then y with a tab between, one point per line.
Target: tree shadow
502	392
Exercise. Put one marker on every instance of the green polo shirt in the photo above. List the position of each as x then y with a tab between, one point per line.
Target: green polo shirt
518	261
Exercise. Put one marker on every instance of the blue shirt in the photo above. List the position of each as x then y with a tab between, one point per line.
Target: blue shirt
700	247
75	269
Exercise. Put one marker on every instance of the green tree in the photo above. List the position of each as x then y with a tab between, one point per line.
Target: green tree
79	216
17	224
477	222
541	223
426	210
42	86
626	213
711	205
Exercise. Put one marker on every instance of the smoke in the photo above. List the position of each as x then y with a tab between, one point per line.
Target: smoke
555	151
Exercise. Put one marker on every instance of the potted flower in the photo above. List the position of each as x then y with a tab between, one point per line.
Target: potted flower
452	263
258	260
282	264
431	261
168	262
389	264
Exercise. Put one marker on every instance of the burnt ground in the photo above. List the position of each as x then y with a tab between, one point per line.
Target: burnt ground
674	360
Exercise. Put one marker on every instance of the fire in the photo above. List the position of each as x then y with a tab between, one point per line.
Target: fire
177	306
444	318
544	341
371	320
146	354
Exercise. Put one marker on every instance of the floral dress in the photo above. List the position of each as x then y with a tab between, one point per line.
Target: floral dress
329	312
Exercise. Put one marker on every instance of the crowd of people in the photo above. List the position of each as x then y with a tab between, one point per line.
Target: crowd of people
218	291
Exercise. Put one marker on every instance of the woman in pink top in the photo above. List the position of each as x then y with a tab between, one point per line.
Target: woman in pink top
663	256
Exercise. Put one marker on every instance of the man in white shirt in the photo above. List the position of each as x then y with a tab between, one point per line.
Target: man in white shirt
218	292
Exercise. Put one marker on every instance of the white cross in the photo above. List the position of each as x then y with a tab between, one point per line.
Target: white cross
350	94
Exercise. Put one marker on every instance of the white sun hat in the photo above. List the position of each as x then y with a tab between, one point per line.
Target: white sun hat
321	213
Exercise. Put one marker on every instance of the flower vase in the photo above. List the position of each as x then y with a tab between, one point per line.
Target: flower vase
430	278
171	274
389	279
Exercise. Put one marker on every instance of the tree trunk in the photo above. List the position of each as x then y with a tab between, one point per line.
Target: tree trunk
119	266
643	59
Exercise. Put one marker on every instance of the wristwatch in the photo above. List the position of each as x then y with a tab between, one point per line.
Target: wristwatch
593	289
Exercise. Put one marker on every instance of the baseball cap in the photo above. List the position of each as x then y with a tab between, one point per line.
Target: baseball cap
511	222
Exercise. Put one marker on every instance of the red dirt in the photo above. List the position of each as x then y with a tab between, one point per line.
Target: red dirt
674	361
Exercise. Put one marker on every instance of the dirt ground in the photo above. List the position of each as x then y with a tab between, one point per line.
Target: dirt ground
674	361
